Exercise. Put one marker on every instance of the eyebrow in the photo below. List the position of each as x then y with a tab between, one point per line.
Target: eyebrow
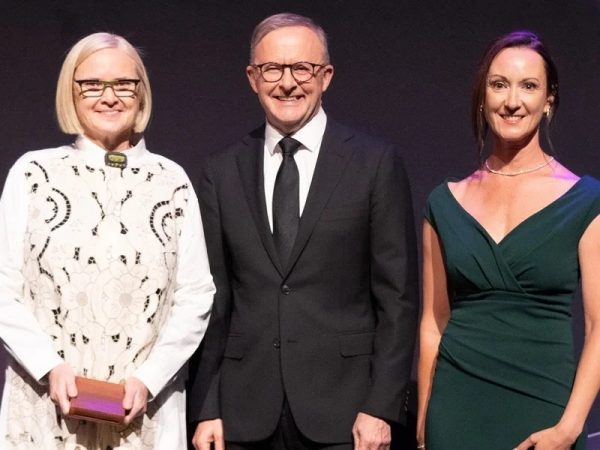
505	78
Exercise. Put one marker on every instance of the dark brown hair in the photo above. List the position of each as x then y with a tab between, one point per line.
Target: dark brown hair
521	38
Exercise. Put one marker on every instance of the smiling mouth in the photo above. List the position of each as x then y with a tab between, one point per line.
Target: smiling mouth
511	117
291	98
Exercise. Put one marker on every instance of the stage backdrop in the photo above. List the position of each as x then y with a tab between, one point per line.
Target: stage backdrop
403	71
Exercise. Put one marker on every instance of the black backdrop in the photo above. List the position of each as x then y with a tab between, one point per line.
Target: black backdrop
403	71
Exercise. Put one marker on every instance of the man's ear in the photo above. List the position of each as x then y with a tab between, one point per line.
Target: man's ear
252	79
327	73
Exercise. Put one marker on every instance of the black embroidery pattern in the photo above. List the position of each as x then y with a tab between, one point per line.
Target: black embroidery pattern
152	221
109	294
39	166
67	210
165	236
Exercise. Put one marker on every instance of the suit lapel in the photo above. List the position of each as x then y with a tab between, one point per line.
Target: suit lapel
331	163
250	166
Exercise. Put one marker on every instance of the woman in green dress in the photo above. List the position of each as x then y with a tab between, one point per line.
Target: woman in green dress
503	252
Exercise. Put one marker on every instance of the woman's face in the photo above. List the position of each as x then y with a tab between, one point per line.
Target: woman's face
108	120
516	95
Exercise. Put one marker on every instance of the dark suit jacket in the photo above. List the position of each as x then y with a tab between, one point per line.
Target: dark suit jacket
334	330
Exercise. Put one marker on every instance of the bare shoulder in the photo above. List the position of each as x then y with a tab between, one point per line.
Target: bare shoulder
562	176
460	187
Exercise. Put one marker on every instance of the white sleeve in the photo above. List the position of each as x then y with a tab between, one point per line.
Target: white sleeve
191	305
22	335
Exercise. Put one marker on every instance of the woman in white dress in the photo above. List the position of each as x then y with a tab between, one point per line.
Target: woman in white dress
103	266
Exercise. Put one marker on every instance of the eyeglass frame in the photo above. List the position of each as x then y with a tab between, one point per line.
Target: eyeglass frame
108	84
315	69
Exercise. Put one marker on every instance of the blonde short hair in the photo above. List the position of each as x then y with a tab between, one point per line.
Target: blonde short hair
65	104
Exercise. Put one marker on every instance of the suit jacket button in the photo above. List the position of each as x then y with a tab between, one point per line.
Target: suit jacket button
285	289
276	343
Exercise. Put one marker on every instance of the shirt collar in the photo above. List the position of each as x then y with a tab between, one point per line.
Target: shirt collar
94	153
309	135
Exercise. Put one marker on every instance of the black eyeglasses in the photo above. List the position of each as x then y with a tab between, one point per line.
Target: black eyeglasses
302	71
95	88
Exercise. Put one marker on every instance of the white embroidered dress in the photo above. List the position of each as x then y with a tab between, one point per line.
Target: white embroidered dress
106	269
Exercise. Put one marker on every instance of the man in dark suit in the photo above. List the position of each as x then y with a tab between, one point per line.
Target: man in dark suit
311	241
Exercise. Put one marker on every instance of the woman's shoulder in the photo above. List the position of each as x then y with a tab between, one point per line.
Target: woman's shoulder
589	192
440	198
454	186
43	154
584	186
173	175
167	164
591	184
588	197
40	156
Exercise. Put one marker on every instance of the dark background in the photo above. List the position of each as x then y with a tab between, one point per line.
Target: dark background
403	71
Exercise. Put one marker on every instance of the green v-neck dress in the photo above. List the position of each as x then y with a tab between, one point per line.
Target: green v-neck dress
506	361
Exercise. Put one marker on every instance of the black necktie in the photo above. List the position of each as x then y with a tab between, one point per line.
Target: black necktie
286	200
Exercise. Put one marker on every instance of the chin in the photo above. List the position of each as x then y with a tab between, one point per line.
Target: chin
287	126
112	129
513	140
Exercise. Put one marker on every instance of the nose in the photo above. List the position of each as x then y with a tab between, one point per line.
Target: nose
513	100
108	95
287	82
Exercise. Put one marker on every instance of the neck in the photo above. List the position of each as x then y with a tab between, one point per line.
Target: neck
516	155
288	131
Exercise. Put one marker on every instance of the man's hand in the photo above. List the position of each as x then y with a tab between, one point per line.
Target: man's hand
208	432
135	400
371	433
62	389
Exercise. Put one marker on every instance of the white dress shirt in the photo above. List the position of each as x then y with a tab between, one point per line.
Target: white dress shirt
310	136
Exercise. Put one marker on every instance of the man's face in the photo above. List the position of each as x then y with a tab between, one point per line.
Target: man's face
290	104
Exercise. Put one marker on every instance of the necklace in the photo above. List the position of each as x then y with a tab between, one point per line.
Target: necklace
518	172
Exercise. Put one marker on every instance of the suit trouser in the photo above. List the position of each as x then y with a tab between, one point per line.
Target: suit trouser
287	436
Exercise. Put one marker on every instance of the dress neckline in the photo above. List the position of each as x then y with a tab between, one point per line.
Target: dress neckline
93	153
542	210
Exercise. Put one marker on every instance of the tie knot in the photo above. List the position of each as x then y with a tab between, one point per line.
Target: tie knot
289	146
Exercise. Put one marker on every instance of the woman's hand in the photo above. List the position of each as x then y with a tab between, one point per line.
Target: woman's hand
135	400
554	438
62	387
